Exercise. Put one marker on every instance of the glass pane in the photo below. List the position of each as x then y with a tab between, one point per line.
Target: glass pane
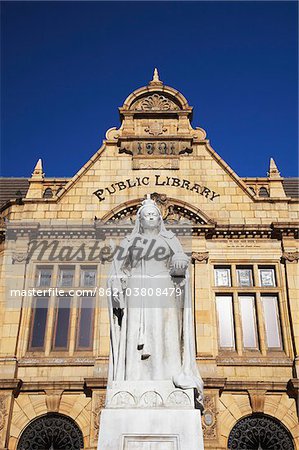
88	277
244	277
267	277
222	277
66	277
40	313
62	324
43	277
248	318
271	319
225	321
85	325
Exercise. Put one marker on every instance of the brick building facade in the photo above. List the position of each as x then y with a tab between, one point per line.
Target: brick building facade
54	351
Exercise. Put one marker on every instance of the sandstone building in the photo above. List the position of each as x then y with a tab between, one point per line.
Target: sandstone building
54	349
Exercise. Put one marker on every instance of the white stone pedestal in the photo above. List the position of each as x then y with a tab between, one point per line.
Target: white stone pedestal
150	416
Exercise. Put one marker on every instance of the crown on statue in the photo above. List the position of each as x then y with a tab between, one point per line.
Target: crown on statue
148	201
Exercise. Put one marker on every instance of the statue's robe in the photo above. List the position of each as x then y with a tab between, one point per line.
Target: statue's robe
152	335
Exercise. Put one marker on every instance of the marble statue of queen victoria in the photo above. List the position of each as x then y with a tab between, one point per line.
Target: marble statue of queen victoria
152	335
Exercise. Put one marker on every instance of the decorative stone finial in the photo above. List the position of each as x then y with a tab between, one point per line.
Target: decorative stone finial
275	181
273	170
38	170
156	80
156	75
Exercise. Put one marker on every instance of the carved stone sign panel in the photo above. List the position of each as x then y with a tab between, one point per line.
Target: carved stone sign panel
150	443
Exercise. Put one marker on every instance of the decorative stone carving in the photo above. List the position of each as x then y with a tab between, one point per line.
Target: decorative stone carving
151	399
199	134
200	257
257	399
122	399
112	134
178	398
19	257
99	403
155	102
165	206
155	129
53	399
3	412
170	212
209	417
290	257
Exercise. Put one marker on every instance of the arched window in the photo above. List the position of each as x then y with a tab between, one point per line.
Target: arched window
263	192
51	432
48	193
260	432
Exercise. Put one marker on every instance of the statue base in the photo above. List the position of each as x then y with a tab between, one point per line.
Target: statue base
153	415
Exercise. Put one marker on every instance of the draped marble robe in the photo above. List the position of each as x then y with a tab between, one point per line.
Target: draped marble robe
152	337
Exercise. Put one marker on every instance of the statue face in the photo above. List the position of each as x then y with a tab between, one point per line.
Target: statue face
149	218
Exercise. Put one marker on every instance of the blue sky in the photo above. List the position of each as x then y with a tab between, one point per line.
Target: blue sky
67	66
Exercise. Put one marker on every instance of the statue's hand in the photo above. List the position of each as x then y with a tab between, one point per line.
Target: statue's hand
118	299
179	264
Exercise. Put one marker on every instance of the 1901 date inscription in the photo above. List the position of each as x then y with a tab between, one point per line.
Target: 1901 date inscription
169	148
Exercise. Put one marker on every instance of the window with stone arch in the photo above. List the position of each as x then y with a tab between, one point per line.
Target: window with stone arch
51	432
260	432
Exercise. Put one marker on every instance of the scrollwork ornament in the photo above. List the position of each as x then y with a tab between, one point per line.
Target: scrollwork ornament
19	257
209	417
3	411
99	405
112	134
290	257
155	102
200	257
155	129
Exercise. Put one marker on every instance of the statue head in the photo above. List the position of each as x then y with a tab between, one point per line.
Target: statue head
150	217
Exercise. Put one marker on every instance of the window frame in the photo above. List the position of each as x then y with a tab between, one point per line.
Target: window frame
251	277
62	267
55	322
85	268
78	318
257	291
271	269
49	350
228	269
31	326
39	268
279	324
255	319
221	348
